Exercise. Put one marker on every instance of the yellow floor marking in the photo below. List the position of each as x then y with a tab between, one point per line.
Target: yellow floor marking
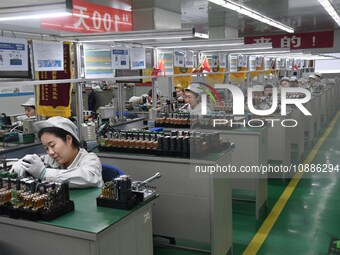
261	235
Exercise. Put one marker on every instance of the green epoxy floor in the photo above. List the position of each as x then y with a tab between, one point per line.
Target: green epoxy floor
307	223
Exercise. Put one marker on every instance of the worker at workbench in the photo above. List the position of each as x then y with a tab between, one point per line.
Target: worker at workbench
29	106
64	160
192	98
144	99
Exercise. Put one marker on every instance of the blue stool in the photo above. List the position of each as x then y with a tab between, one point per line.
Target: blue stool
110	172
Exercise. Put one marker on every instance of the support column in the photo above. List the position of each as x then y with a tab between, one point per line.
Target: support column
222	23
156	14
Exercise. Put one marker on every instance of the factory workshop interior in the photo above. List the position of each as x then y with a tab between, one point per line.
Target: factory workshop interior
169	127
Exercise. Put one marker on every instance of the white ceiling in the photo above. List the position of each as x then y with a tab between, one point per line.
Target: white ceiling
302	15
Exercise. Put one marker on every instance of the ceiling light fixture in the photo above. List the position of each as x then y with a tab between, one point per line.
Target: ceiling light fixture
245	48
142	35
175	46
37	16
252	14
330	9
202	44
17	10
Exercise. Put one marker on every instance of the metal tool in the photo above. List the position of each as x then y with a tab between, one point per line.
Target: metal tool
142	190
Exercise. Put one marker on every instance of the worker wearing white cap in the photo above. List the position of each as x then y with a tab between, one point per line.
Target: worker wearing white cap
318	76
29	106
293	81
311	80
311	77
258	92
319	82
302	82
64	160
179	92
192	97
268	90
285	82
258	98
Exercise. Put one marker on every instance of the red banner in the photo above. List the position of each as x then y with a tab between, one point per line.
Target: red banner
91	18
55	99
295	41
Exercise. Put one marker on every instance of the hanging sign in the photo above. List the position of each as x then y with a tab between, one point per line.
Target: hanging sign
185	81
97	61
179	58
55	99
311	40
256	65
120	57
189	58
48	56
13	54
91	18
137	58
258	62
241	61
223	60
214	61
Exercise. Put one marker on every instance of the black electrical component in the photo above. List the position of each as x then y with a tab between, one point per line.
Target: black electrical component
32	200
165	143
117	194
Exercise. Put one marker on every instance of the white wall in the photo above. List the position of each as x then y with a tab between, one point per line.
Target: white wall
328	66
12	104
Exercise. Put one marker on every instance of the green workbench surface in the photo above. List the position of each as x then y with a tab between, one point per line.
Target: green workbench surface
87	216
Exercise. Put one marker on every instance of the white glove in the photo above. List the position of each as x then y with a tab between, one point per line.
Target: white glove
33	164
17	168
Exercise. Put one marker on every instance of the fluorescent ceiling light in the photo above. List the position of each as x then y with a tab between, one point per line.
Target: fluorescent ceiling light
137	36
269	52
331	11
247	47
201	44
37	16
18	10
201	35
252	14
126	39
191	46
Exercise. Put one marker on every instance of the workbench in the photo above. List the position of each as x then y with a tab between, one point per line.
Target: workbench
251	150
279	138
89	230
191	206
297	137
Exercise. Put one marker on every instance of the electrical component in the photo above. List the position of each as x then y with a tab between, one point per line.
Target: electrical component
107	112
120	193
88	131
177	143
29	199
117	194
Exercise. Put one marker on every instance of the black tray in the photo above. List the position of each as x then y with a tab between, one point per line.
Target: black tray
61	210
117	204
29	214
4	208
